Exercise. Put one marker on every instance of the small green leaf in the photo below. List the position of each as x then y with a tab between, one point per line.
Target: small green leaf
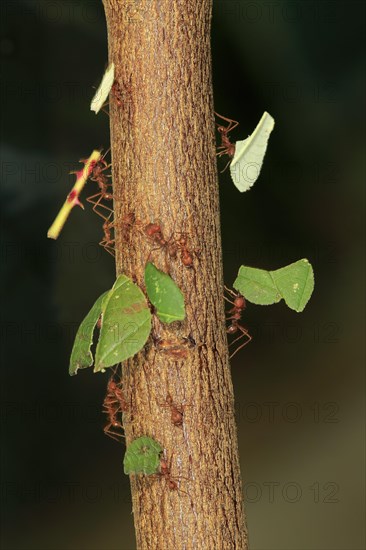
257	286
126	324
142	456
164	294
296	283
81	356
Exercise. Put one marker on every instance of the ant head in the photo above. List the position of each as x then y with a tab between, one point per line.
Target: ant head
152	228
239	302
177	417
187	260
172	485
163	465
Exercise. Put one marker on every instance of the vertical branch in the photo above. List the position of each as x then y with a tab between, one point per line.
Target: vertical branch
164	171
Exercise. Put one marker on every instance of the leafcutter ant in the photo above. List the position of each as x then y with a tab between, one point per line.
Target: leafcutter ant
114	404
226	147
234	316
101	209
108	241
101	179
176	413
165	472
155	233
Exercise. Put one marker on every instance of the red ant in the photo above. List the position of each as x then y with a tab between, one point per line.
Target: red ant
114	404
234	315
186	255
176	413
226	147
154	232
98	176
165	472
116	90
126	223
119	96
108	242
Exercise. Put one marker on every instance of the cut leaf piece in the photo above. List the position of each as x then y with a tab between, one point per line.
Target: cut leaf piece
296	283
142	456
103	90
164	295
257	286
126	324
81	355
249	154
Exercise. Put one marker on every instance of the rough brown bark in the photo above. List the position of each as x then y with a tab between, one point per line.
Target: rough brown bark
164	171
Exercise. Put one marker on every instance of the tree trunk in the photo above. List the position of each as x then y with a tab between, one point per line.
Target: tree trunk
164	172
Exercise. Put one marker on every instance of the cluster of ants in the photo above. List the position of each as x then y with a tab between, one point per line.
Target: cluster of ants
115	404
153	231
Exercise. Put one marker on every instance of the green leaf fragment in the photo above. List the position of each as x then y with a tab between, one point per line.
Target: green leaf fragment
81	355
294	283
126	324
142	456
257	286
164	294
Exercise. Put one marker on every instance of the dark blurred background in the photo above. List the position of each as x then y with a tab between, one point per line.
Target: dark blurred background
299	385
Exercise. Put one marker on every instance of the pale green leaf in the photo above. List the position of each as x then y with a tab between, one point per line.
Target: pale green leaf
142	456
103	90
296	283
249	154
257	286
164	295
81	355
126	324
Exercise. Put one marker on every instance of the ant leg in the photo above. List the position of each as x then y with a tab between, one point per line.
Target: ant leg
108	248
153	250
232	123
228	300
244	333
223	152
108	244
103	108
230	291
108	431
228	162
98	204
106	153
